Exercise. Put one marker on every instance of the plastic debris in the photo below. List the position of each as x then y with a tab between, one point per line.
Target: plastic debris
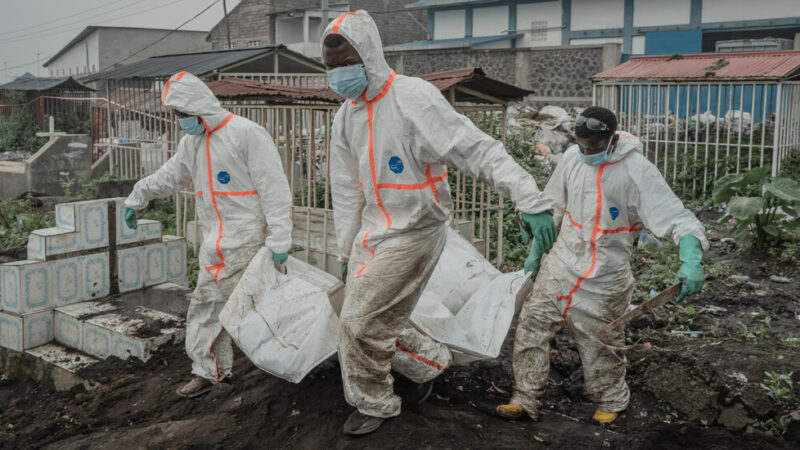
739	277
778	279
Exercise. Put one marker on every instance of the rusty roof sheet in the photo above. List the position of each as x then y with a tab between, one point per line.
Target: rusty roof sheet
239	88
708	66
475	79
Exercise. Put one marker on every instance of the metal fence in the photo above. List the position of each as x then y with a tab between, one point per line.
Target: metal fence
305	80
696	132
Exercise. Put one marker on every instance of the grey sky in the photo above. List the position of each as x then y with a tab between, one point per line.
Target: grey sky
45	26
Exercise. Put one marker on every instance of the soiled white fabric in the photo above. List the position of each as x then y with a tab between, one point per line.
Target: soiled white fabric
241	188
390	195
586	281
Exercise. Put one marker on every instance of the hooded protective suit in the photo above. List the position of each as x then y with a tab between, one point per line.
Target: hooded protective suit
240	187
391	200
586	279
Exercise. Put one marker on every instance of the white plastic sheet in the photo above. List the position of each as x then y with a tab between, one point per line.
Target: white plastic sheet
468	305
283	322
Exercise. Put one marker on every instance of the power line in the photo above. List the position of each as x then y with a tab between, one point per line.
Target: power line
26	36
59	19
165	36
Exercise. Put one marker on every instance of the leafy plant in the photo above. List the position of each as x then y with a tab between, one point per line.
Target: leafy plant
791	340
761	206
17	219
778	385
759	332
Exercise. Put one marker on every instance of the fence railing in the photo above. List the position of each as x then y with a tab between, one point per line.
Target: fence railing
696	132
305	80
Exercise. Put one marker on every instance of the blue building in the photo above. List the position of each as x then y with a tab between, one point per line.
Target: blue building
641	27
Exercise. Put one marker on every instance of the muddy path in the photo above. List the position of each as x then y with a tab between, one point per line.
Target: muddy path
695	371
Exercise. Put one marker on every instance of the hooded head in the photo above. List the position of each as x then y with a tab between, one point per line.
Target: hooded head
360	31
190	95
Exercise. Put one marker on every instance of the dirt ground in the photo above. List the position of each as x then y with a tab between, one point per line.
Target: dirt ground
687	390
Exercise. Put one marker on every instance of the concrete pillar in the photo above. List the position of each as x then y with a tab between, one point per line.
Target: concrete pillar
796	41
522	73
611	56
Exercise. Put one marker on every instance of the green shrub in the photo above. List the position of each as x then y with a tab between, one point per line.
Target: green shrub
755	200
18	132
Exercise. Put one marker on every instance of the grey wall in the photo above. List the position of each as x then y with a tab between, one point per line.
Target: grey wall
249	21
117	44
63	157
555	74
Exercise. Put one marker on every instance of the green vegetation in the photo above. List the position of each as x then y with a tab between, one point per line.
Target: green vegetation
760	205
18	218
757	333
73	188
18	132
778	385
791	340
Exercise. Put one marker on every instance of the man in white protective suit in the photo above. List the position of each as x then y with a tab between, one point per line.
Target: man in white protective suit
243	203
391	142
604	191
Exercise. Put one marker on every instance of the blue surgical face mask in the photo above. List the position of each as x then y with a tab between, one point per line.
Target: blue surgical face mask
348	81
597	158
191	125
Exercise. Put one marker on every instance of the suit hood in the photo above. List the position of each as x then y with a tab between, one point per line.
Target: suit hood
362	33
190	95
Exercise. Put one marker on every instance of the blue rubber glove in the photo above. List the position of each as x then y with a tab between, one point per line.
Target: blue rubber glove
280	257
344	272
690	273
542	229
130	217
532	262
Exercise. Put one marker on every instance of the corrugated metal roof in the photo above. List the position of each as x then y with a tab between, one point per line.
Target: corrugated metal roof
134	100
28	82
235	88
474	78
197	63
709	66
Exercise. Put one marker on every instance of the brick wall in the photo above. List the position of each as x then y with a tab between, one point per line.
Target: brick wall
554	73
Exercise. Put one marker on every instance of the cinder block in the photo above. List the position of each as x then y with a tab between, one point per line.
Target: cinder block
68	321
94	224
149	229
67	278
155	263
96	276
51	241
129	269
89	218
21	332
96	341
176	257
124	233
26	286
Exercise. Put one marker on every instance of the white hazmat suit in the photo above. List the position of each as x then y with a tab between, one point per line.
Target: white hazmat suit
586	280
240	187
391	200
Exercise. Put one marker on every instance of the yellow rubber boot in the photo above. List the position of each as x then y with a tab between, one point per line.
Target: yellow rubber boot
509	411
604	417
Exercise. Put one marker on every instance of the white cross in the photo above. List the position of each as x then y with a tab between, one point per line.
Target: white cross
52	134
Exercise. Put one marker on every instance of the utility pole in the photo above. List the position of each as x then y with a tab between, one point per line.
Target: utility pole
37	63
227	22
5	69
324	18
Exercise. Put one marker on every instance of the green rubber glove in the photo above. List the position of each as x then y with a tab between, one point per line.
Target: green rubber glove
532	262
344	272
542	229
280	257
691	272
130	217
